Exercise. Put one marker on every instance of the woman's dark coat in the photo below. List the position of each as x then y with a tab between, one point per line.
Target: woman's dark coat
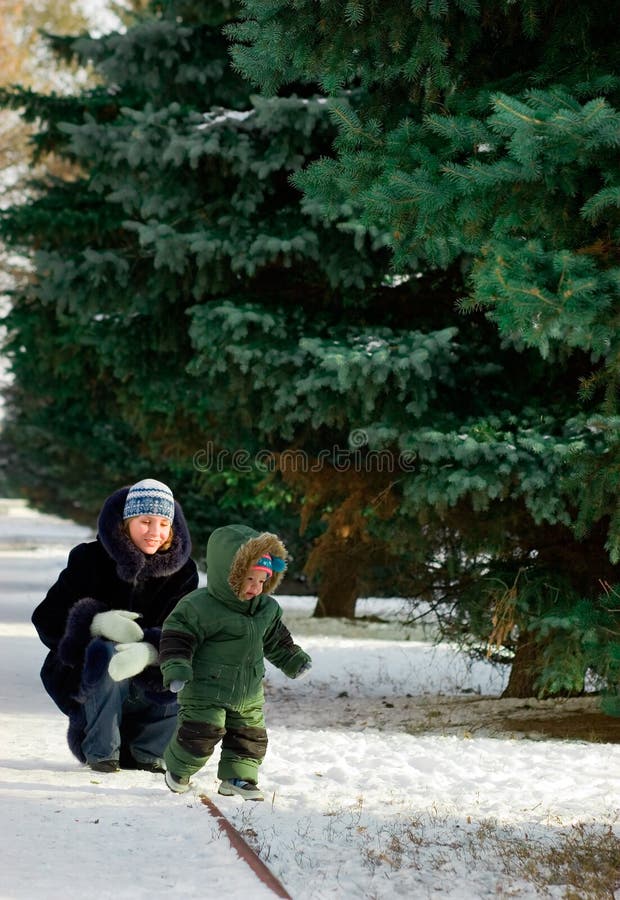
109	573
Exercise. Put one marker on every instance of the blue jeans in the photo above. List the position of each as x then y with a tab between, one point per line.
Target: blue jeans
119	716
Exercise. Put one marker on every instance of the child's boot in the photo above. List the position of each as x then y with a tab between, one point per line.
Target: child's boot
177	783
243	788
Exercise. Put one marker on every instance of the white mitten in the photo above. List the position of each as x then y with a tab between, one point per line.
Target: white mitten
131	659
117	625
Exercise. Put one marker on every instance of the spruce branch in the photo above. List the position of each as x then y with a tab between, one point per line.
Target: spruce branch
350	122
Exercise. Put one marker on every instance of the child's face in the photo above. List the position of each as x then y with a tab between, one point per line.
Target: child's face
148	533
253	584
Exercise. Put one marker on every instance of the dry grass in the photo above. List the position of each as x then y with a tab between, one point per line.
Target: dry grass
584	861
581	862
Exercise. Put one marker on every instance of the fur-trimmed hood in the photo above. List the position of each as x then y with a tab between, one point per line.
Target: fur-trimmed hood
231	550
131	563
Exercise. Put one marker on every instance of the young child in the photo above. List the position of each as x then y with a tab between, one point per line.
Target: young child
102	669
212	650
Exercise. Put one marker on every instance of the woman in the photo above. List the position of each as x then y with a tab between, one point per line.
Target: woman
102	623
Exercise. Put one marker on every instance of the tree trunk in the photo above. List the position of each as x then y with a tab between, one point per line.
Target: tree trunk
526	668
337	597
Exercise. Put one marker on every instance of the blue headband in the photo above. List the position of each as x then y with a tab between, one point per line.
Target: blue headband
270	564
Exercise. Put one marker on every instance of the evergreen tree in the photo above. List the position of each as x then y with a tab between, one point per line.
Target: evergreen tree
25	59
178	204
482	137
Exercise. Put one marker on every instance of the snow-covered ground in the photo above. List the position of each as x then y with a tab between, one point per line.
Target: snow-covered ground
362	799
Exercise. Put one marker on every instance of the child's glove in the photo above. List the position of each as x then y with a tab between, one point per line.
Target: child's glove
303	671
176	685
117	625
131	659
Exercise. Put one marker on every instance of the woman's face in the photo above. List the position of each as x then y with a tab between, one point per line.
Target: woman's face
148	533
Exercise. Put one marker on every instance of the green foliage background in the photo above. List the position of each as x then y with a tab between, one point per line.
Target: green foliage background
399	260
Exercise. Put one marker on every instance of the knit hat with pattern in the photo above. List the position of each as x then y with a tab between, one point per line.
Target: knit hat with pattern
149	498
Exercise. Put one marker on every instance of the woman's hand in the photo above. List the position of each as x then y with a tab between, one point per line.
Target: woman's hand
117	625
131	659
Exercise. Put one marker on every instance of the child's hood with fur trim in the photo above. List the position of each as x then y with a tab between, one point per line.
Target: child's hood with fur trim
231	550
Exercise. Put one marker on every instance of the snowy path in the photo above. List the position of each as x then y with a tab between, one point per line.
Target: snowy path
352	811
66	830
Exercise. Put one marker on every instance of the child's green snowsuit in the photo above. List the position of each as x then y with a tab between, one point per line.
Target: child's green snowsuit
217	643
